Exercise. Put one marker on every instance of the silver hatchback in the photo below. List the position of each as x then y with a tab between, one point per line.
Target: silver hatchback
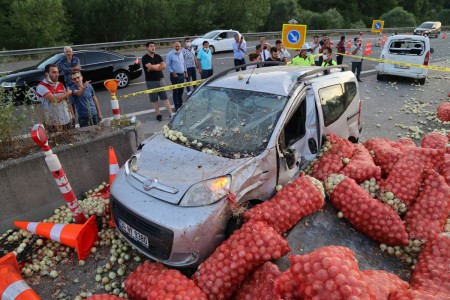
236	138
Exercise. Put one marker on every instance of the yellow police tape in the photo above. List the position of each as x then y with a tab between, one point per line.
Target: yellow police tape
197	82
163	88
393	62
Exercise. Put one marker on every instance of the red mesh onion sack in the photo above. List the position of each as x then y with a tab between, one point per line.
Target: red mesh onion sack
384	154
435	140
155	281
410	294
247	248
383	283
427	216
342	147
431	158
285	287
326	165
443	111
361	166
259	285
445	168
432	272
366	214
295	201
329	272
403	183
104	297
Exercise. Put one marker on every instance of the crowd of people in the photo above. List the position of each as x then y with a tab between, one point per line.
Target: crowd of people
61	103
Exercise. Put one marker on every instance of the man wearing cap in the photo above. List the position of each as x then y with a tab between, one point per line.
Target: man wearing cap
304	58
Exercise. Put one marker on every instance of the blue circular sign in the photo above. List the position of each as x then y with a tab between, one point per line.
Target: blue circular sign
293	36
377	25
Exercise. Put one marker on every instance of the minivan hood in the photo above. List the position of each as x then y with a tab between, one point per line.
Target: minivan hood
179	167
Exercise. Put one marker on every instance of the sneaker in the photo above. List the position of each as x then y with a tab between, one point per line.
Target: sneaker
189	93
159	118
359	80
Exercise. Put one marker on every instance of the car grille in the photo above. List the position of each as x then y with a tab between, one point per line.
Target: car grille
160	238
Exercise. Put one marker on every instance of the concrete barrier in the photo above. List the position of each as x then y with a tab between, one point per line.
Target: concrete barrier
28	191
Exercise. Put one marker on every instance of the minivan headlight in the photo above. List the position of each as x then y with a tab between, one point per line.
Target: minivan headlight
207	192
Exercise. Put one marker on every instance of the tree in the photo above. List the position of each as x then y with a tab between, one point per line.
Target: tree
244	16
443	16
327	20
37	24
281	12
398	17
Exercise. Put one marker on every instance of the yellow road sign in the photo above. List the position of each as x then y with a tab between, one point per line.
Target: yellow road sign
293	36
377	25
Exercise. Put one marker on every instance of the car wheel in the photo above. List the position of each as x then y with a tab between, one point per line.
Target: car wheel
212	49
422	81
379	77
123	77
30	94
437	34
235	222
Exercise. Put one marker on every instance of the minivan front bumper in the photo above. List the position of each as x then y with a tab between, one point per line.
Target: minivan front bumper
176	236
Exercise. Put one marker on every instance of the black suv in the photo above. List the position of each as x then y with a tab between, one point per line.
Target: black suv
96	65
428	29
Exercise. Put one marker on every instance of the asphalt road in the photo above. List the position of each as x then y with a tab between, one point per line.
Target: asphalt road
379	98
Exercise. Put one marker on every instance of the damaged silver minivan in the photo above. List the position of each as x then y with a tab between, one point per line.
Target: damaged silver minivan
237	137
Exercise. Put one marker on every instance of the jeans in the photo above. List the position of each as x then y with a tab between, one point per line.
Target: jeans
356	66
88	121
192	76
206	73
177	93
317	62
238	62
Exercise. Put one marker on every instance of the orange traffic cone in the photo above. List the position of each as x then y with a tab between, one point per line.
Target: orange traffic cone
383	41
444	36
349	43
78	236
113	170
12	285
113	165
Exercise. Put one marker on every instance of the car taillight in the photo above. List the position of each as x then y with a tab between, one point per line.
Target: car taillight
360	112
136	61
427	59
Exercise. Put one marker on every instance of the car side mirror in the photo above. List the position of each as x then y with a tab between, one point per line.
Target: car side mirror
291	156
431	50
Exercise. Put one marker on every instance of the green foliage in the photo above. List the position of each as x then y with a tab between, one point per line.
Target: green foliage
327	20
358	24
398	17
280	13
443	16
37	24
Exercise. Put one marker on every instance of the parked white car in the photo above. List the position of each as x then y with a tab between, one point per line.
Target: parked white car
407	49
219	40
239	135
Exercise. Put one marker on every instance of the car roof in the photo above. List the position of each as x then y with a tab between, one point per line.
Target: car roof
407	37
277	80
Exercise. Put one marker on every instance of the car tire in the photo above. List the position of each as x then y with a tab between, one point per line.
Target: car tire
235	222
422	81
437	34
123	77
30	94
212	49
379	77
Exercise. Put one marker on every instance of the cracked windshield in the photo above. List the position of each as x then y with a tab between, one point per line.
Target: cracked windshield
232	123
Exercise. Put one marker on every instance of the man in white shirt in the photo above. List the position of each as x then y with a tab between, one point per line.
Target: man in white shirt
315	47
357	61
283	54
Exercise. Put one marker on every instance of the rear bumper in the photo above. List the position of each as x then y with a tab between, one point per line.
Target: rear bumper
413	73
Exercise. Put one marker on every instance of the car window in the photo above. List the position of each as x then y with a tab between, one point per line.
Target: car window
113	56
426	25
81	58
211	34
49	60
236	123
333	103
223	35
231	34
407	47
95	57
350	92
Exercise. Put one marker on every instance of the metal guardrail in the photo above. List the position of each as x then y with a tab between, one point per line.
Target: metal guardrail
160	41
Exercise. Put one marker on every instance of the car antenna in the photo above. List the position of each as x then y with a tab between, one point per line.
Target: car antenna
248	80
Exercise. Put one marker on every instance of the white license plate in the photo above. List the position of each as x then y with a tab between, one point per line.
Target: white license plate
401	67
136	235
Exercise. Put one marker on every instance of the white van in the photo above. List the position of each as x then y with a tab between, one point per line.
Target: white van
405	49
